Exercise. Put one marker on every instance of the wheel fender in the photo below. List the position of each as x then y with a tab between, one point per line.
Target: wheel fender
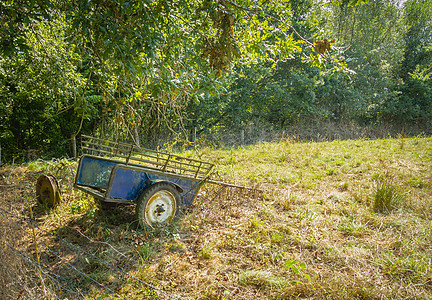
179	188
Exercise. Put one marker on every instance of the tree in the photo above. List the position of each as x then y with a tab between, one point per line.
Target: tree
415	101
371	34
39	90
274	90
140	62
150	67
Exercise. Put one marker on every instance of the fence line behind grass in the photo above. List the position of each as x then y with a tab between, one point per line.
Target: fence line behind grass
254	134
319	132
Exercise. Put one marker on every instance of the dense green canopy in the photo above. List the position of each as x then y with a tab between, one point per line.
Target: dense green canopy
151	68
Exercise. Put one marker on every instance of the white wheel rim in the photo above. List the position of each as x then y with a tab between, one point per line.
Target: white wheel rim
161	207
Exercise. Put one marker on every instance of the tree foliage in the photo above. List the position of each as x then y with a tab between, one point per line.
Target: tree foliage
415	101
38	90
148	68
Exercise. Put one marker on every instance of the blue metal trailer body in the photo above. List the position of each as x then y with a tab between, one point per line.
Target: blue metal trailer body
110	180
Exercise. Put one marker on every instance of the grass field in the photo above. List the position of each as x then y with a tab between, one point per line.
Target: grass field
333	220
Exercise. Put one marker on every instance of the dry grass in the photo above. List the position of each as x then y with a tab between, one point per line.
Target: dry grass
314	232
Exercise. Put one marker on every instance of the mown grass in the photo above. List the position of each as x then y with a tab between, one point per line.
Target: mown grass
333	220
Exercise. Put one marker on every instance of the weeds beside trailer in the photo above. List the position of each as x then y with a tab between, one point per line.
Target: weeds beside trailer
159	183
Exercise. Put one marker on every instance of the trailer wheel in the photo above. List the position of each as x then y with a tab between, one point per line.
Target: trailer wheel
48	191
158	204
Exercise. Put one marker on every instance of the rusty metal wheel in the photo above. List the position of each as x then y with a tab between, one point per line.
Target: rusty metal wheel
158	204
48	191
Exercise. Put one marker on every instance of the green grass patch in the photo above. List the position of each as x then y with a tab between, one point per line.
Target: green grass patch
387	196
331	220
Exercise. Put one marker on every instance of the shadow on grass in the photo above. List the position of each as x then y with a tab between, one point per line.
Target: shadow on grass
94	253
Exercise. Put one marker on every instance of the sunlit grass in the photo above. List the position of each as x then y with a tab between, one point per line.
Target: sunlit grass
336	205
335	220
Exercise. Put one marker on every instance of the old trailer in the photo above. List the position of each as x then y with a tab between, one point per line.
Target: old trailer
160	184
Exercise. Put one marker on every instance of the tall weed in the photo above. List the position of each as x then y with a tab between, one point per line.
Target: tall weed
387	196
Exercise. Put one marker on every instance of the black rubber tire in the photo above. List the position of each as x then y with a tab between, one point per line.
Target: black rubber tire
159	204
